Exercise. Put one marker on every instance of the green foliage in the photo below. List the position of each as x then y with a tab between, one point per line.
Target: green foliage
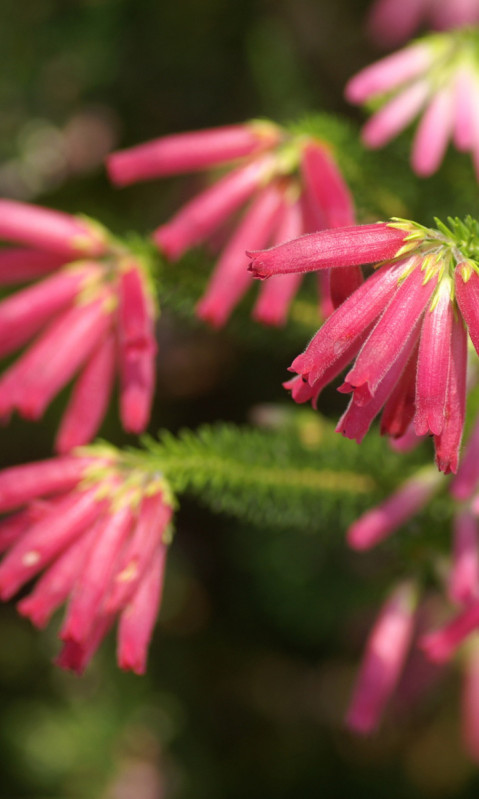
302	475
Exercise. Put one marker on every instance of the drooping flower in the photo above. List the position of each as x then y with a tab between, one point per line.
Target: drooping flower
440	74
89	314
287	184
405	326
391	23
386	651
96	526
379	522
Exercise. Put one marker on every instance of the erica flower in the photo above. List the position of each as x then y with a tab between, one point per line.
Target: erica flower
386	651
96	527
405	326
439	75
284	184
90	314
391	22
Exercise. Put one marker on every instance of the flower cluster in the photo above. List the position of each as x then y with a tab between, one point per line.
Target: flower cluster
406	326
290	184
90	313
97	526
391	23
391	639
439	73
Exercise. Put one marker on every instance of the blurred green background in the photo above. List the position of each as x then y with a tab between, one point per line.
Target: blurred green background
260	631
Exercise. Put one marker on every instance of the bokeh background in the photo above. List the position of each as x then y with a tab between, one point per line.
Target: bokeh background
261	630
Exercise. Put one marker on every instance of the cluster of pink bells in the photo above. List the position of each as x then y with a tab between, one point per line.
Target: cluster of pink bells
100	539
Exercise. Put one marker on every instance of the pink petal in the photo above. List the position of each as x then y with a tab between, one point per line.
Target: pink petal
389	72
348	246
399	409
231	278
466	94
383	660
154	518
54	587
378	523
20	484
447	444
442	644
327	186
433	365
137	351
89	399
391	333
20	265
48	538
93	583
26	312
187	152
32	382
464	575
358	418
275	295
50	230
433	133
199	218
138	618
348	322
396	115
467	478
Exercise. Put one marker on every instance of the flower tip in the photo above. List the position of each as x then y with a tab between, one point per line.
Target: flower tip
211	312
435	647
129	661
135	414
358	720
115	170
30	609
167	243
272	317
353	91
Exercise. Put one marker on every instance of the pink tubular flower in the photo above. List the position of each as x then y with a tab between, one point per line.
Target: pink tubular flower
405	325
284	184
464	575
390	23
96	526
383	661
53	231
378	523
439	73
87	317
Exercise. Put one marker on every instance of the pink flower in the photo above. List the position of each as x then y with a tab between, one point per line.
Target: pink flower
378	523
96	528
405	326
439	74
464	574
391	23
84	317
384	658
282	184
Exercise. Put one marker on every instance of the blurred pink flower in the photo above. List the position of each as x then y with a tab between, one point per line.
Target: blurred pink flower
386	651
89	314
288	184
97	529
438	74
